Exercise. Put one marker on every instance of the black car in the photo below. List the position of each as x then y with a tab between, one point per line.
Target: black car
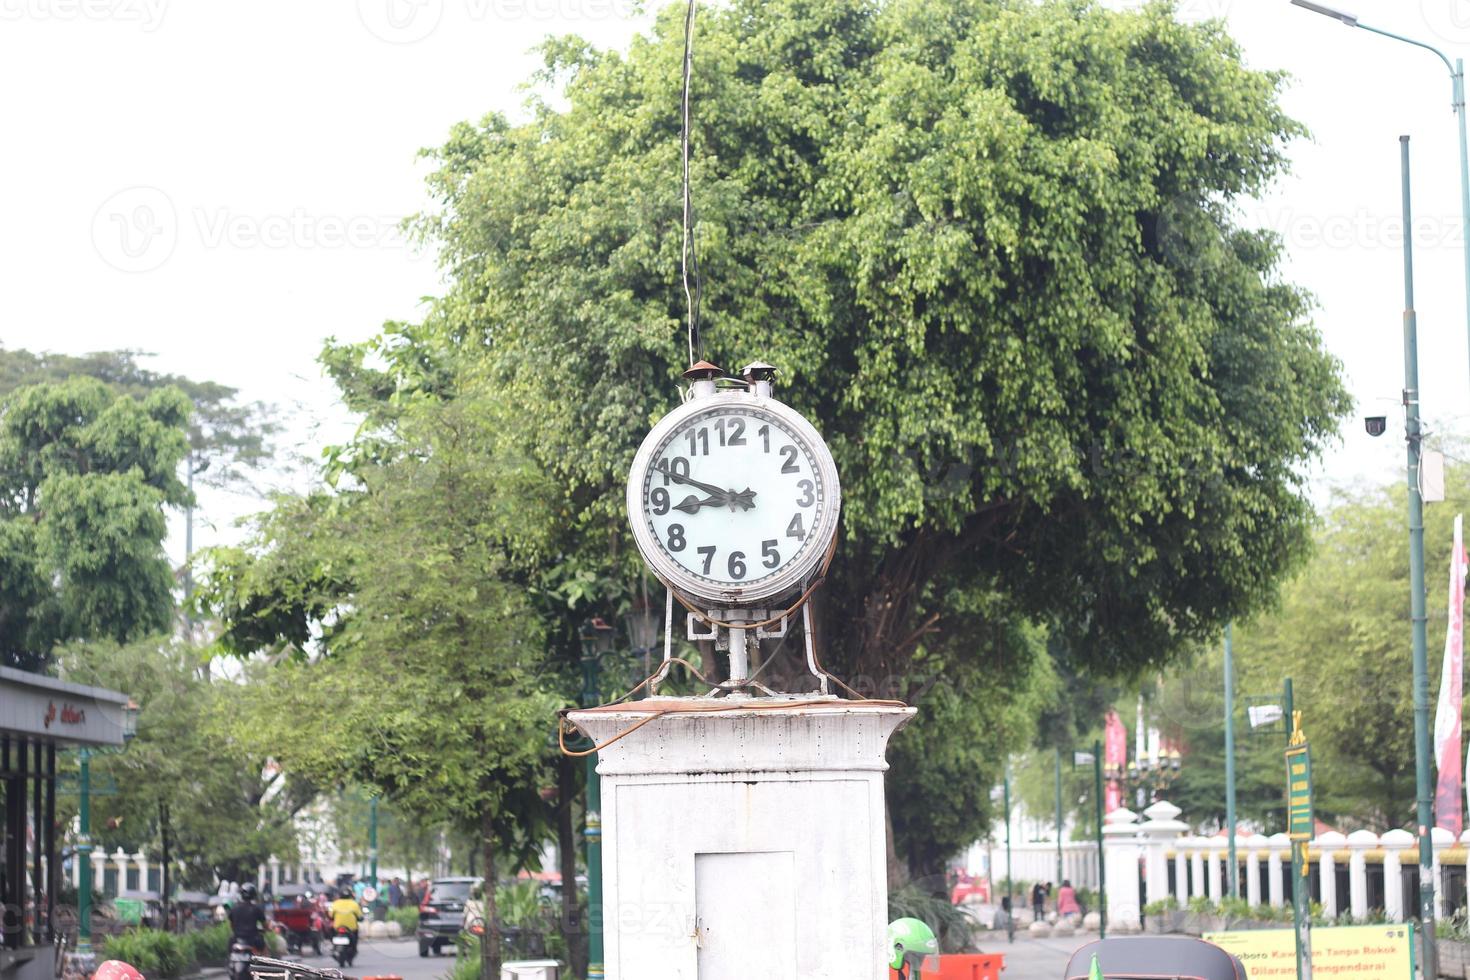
441	913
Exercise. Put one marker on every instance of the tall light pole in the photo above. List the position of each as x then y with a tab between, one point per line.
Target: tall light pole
1457	80
1007	791
597	642
1234	876
84	852
1096	757
373	841
1416	583
1059	816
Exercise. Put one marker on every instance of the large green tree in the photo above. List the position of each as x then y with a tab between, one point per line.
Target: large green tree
413	660
1342	633
228	809
234	436
989	244
85	477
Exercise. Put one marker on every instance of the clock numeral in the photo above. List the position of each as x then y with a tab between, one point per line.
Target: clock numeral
794	529
790	465
676	537
770	557
765	433
737	565
660	500
732	431
709	556
698	437
808	493
678	466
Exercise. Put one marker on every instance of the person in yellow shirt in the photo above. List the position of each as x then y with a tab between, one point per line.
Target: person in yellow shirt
346	914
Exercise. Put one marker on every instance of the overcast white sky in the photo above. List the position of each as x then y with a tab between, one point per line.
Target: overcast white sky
218	182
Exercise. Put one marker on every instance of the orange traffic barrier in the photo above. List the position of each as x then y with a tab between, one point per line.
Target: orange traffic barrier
964	966
971	966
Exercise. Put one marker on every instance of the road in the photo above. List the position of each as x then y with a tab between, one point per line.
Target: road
1033	959
389	957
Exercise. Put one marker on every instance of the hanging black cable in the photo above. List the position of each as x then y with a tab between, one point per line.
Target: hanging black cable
690	257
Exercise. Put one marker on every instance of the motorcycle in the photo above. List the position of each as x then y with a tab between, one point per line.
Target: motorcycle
240	954
344	947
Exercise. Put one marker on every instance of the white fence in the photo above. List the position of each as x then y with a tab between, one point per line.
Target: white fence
1155	858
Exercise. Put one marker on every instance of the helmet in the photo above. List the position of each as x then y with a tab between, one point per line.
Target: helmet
910	938
116	970
248	892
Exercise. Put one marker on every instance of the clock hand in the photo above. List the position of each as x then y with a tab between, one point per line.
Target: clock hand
691	503
745	499
709	488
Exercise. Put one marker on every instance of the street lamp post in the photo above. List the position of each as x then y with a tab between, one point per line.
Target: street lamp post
84	831
597	641
373	841
1457	80
1059	815
1095	756
1416	583
1234	876
1007	791
84	852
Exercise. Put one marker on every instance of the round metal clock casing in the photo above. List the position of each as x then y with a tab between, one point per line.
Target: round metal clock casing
733	499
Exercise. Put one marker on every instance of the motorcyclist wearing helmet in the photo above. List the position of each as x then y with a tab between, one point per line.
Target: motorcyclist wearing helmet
247	919
346	914
909	942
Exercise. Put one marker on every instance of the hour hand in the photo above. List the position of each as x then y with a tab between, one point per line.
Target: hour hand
691	503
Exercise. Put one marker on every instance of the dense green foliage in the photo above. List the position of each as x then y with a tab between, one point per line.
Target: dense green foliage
85	475
228	809
163	954
424	678
234	437
1343	634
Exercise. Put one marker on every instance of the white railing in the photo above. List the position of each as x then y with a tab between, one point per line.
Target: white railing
1153	856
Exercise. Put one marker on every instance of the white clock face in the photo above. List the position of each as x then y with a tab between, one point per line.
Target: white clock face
736	496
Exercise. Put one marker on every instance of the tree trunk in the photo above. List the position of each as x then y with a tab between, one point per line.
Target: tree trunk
573	927
490	939
898	872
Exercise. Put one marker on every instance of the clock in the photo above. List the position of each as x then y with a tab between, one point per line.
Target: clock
733	497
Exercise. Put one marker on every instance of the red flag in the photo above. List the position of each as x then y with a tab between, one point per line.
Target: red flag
1448	813
1115	758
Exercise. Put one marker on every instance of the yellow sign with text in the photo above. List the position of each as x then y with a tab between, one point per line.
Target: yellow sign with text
1380	952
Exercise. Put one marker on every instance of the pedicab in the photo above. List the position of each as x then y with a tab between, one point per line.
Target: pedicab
1151	957
298	918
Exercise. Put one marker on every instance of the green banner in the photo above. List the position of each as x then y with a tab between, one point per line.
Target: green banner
1300	825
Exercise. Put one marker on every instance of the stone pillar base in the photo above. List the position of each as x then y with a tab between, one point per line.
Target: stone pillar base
743	821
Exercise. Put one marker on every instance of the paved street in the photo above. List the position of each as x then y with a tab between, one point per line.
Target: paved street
384	957
1034	959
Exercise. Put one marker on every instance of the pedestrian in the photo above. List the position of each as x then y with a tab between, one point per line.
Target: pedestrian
395	893
1067	901
1038	901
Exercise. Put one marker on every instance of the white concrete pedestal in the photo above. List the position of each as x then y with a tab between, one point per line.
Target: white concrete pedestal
750	834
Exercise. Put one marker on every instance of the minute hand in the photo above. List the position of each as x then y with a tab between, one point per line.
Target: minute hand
709	488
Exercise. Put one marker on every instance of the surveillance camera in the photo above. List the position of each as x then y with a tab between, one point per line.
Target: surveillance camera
1376	424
